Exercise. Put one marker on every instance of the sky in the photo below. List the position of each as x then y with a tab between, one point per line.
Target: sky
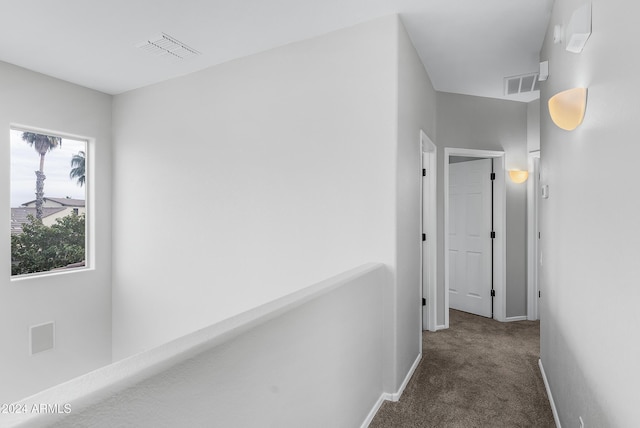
57	165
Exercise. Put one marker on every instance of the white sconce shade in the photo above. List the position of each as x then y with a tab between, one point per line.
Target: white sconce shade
567	108
518	176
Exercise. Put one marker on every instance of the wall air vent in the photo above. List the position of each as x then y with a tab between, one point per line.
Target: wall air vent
165	45
521	84
41	337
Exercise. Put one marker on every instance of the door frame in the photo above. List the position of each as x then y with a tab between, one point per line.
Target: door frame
533	243
429	206
499	226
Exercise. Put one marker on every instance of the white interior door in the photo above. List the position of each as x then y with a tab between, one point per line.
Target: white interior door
429	221
470	263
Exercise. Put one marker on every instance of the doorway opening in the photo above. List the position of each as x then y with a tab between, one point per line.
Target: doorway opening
471	235
495	235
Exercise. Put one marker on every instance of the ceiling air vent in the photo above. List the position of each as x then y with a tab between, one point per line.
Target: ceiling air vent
521	84
165	45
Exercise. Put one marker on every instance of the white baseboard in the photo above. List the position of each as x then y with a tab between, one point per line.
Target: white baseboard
391	397
551	402
396	396
512	319
374	410
441	327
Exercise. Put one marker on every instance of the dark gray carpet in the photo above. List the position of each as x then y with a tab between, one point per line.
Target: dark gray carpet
478	373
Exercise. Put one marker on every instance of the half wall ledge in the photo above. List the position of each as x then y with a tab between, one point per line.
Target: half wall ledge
86	395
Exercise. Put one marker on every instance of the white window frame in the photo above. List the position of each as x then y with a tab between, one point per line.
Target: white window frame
89	187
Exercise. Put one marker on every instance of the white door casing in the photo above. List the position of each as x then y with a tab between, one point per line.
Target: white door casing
470	264
533	237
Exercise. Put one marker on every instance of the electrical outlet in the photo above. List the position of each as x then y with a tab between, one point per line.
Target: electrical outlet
581	422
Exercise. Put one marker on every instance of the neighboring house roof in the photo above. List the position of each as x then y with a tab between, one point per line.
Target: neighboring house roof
65	202
19	216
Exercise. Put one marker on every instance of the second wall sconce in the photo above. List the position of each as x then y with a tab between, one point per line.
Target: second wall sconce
518	176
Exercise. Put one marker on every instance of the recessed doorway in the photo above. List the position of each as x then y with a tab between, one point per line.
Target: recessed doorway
493	266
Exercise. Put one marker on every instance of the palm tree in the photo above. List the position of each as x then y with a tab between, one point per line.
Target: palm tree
42	144
77	167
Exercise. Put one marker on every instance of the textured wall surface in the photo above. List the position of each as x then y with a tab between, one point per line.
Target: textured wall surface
589	224
79	302
246	180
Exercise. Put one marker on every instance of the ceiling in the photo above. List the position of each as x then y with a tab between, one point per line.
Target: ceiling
467	46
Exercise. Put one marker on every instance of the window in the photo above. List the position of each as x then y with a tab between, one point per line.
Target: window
48	202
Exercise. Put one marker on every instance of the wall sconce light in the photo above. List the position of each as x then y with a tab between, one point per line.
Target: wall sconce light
567	108
518	176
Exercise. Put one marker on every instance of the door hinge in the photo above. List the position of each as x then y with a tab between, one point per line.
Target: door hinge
493	235
424	302
424	237
493	176
538	294
424	172
493	293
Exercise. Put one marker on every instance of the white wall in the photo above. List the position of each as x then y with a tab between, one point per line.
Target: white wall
78	302
589	277
416	111
469	122
239	183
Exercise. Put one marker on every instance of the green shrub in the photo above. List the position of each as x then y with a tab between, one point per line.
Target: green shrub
41	248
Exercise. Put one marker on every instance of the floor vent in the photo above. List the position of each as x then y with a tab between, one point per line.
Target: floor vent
165	45
521	84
